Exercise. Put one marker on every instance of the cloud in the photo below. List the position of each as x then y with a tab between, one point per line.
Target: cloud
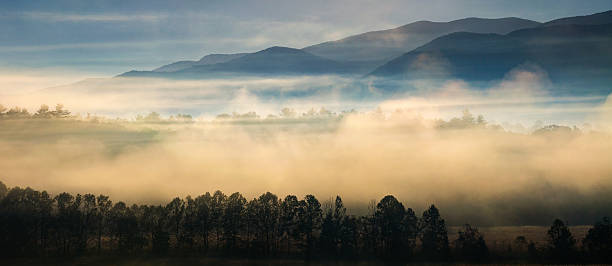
392	147
100	17
19	81
476	175
520	98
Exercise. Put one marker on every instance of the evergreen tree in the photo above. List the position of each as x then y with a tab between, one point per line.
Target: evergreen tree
309	222
561	243
267	220
232	219
433	235
204	218
470	245
176	211
288	220
103	214
216	214
389	217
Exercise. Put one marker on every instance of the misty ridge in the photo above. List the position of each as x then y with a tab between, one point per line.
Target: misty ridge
574	52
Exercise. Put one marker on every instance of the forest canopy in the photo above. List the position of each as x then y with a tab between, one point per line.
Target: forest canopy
35	223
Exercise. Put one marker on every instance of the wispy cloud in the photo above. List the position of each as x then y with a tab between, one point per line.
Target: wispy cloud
96	45
98	17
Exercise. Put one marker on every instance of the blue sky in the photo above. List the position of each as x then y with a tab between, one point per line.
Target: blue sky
110	37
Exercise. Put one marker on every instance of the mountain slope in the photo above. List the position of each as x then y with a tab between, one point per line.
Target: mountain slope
274	60
206	60
594	19
379	46
212	59
566	52
176	66
281	60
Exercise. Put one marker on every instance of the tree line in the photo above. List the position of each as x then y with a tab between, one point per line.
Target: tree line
36	224
44	112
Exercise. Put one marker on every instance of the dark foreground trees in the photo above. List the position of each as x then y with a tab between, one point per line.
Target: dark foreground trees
433	235
562	245
34	224
470	245
598	241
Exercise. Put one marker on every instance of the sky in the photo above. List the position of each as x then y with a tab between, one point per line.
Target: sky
73	38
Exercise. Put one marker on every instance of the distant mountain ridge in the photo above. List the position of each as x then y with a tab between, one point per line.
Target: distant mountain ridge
210	59
567	53
593	19
475	49
276	60
369	50
380	46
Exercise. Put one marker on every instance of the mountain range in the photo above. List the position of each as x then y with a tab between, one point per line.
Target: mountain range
471	49
210	59
381	46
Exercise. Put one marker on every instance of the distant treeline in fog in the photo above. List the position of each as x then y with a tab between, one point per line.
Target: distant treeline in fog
466	120
37	224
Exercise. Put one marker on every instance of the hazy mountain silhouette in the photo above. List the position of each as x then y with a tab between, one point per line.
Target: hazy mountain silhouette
567	53
380	46
574	50
273	60
206	60
594	19
364	52
176	66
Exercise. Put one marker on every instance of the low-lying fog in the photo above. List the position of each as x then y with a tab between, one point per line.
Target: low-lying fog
501	170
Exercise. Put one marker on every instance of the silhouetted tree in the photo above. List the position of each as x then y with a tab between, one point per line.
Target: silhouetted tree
288	220
309	217
189	224
20	221
216	213
232	219
433	235
470	245
3	190
389	217
204	218
561	243
251	217
348	236
124	228
368	232
176	210
331	228
32	223
410	230
88	217
598	241
267	211
160	238
68	219
103	212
